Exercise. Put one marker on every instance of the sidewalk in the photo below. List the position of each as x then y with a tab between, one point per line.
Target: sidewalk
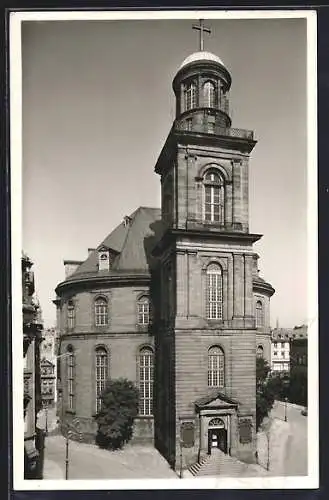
279	435
87	461
51	470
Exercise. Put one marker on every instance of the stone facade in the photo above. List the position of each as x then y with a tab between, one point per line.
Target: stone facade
165	255
32	336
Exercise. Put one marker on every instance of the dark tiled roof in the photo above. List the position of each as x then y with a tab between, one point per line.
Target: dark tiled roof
131	245
292	333
281	333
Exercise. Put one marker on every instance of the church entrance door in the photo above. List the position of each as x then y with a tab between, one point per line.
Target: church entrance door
217	436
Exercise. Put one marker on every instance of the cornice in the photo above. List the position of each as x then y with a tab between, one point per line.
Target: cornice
172	234
263	287
87	282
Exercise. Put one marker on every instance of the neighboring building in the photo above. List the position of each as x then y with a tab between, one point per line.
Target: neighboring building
32	335
262	294
284	347
298	371
48	383
48	344
280	350
48	354
172	299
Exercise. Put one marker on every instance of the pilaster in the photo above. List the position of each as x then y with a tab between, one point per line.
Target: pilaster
238	305
236	191
248	293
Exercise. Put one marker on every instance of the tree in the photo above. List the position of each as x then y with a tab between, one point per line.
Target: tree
264	391
116	416
298	386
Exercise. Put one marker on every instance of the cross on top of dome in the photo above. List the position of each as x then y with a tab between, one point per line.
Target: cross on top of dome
202	29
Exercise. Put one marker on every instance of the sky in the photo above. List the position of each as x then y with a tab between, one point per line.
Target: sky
97	106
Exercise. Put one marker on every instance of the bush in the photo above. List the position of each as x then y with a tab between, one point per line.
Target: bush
116	417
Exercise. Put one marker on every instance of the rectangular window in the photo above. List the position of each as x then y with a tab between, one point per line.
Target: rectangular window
215	298
215	370
143	312
70	317
211	127
70	380
189	124
101	374
101	312
145	382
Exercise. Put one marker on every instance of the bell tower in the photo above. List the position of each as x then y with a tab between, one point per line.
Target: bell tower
206	334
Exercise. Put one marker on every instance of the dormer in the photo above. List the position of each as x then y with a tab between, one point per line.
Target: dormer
104	263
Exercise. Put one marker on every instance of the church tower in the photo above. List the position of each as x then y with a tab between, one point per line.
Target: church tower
205	331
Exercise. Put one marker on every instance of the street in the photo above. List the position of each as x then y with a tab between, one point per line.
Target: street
288	442
295	459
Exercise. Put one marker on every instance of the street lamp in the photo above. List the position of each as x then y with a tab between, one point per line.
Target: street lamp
67	456
285	409
268	450
181	460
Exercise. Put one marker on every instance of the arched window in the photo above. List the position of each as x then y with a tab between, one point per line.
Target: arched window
70	365
259	314
209	95
101	311
190	96
70	314
101	373
216	377
214	291
260	351
145	366
216	422
143	310
213	197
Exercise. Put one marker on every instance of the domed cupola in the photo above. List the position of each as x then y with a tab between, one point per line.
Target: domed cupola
201	88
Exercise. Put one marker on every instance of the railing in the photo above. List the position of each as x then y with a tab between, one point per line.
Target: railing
213	129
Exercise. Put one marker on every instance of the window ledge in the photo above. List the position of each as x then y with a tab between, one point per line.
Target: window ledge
70	412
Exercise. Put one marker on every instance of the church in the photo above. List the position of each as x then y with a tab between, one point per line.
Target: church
172	299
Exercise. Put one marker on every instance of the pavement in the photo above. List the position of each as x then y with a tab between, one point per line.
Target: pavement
287	457
287	441
87	461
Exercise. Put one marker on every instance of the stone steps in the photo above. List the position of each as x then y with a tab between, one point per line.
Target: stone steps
220	464
194	469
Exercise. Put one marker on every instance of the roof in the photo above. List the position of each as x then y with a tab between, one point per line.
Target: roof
129	243
282	333
201	56
295	333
